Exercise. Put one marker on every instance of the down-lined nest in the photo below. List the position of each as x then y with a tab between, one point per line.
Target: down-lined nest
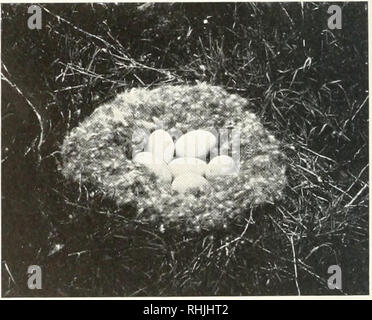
99	153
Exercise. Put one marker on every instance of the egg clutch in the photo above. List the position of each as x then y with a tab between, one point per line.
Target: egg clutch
184	164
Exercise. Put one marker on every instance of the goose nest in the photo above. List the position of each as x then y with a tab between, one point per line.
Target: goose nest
100	153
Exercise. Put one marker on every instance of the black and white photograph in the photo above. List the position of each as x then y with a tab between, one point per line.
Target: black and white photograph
184	149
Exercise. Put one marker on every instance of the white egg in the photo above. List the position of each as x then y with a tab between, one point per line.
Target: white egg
162	172
188	182
221	166
195	144
161	145
187	165
156	165
146	158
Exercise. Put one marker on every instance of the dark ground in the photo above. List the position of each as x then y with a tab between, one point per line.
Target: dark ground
308	84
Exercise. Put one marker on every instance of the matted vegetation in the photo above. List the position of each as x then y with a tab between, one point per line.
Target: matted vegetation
306	83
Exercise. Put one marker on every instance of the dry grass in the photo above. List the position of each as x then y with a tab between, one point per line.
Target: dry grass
309	86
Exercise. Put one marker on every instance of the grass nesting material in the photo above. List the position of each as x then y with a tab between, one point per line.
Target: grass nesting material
307	85
99	152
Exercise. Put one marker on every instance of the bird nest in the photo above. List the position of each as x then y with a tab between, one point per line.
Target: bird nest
99	153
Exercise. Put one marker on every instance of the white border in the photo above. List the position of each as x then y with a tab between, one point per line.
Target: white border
312	297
